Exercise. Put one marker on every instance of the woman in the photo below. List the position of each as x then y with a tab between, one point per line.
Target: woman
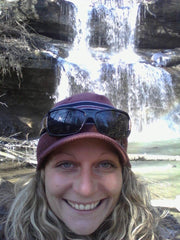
83	187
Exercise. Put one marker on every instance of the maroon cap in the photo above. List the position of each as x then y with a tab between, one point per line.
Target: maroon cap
48	144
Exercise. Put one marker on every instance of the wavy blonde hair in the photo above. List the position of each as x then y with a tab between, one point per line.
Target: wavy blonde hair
30	217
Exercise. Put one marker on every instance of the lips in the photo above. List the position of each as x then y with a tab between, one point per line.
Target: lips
83	207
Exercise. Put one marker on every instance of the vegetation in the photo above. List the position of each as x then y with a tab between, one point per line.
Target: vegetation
18	42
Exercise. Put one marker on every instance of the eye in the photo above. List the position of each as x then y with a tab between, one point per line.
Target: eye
65	165
106	165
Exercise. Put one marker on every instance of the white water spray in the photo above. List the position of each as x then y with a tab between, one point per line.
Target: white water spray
115	69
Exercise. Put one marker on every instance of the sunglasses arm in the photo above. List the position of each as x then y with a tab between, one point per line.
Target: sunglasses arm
43	125
124	143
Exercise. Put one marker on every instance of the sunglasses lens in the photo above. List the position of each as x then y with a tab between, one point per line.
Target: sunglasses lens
65	121
113	124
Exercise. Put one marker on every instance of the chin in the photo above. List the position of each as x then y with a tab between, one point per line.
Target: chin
83	231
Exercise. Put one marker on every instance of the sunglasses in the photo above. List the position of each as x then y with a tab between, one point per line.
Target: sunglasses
62	122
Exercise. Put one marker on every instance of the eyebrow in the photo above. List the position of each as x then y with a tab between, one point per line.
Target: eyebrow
61	152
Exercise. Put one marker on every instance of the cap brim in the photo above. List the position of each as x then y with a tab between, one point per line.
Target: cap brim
55	143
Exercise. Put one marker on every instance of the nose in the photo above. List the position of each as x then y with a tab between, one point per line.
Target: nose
86	183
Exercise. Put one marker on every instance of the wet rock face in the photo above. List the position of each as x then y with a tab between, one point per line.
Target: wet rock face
10	124
27	102
159	25
54	19
30	97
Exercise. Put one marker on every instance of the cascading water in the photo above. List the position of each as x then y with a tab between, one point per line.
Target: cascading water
103	60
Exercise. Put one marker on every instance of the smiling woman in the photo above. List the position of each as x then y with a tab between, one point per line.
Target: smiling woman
83	183
84	187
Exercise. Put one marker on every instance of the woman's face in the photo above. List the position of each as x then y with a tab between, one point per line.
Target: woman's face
83	183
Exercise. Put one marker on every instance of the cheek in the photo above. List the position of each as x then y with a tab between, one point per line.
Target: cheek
54	184
113	184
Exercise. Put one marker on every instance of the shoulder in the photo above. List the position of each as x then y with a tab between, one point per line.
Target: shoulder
169	228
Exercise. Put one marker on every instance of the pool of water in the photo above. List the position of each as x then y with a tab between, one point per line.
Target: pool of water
166	147
163	177
163	180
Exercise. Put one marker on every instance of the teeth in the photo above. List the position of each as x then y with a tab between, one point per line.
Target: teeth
84	207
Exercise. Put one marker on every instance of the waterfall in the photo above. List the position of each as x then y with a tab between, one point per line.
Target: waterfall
103	59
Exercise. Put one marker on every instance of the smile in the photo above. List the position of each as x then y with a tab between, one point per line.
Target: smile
83	207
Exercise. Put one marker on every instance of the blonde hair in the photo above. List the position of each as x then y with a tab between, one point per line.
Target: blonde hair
30	217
